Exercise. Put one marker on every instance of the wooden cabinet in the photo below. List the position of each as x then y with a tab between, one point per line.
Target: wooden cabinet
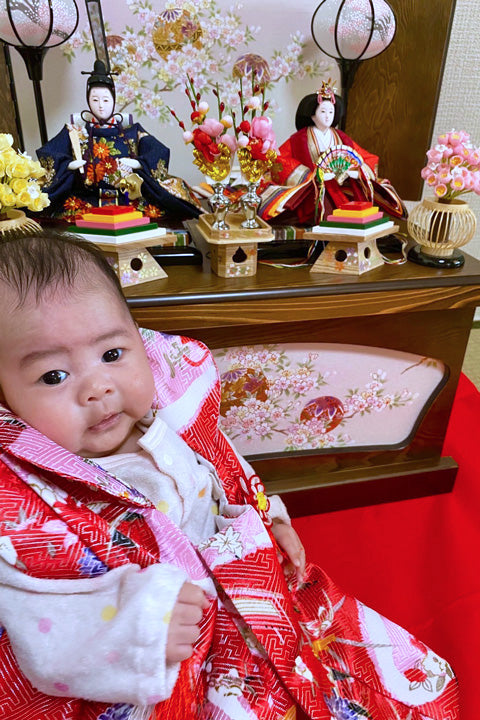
406	308
393	101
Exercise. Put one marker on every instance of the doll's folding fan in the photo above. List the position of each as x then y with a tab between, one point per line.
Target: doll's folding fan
339	160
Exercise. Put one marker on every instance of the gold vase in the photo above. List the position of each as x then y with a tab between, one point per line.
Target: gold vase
15	222
439	228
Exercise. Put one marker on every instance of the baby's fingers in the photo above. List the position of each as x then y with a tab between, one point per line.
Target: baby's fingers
299	562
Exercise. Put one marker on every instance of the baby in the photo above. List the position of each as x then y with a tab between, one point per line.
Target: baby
143	571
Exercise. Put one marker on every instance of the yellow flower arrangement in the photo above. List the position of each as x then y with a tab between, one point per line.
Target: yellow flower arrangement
18	179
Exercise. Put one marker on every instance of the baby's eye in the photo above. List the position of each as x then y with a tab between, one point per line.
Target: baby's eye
54	377
112	355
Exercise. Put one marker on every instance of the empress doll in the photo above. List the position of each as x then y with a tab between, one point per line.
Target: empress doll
320	168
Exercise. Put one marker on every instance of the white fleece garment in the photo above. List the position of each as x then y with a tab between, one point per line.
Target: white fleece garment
97	638
104	638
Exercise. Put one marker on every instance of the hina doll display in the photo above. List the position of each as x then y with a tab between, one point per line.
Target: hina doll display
320	168
99	158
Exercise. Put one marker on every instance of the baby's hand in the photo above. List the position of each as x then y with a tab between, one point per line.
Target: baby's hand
184	624
291	544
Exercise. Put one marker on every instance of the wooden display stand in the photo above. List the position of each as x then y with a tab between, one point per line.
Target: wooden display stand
233	252
349	254
399	307
132	262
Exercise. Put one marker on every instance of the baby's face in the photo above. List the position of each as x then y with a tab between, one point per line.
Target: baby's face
74	367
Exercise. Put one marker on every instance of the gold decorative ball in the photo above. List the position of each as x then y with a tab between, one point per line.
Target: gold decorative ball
175	28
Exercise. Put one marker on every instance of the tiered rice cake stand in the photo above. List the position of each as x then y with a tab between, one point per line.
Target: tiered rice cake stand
352	233
124	235
233	252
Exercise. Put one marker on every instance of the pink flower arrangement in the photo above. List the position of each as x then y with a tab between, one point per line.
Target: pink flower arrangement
213	146
256	144
453	166
257	133
258	136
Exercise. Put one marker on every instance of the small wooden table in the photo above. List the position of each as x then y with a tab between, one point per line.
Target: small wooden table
407	308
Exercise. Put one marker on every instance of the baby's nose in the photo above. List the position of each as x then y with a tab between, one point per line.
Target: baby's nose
96	388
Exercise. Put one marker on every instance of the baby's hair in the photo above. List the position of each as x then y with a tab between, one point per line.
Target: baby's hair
50	259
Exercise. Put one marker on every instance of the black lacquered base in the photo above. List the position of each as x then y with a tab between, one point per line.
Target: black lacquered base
416	255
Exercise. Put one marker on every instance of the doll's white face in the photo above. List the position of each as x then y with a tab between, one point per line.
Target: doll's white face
324	115
100	102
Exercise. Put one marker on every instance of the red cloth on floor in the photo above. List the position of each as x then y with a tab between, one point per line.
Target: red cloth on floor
415	561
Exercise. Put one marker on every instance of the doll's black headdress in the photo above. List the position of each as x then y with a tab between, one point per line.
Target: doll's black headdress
100	77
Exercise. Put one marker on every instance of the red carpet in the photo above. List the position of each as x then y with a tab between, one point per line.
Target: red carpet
416	561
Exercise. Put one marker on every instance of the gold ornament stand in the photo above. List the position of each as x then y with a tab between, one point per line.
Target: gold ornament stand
132	262
349	254
233	252
16	223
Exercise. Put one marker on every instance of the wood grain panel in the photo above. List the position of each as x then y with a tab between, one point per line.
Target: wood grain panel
8	119
186	285
319	494
393	101
173	318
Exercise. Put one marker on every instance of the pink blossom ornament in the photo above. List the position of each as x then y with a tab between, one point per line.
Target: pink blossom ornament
212	127
262	128
441	190
435	154
458	183
456	160
229	141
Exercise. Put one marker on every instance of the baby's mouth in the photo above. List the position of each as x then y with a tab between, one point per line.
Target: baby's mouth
106	423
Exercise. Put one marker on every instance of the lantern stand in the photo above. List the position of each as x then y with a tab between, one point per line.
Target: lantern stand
13	95
344	41
348	70
33	58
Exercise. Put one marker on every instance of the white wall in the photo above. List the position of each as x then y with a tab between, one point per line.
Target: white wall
459	103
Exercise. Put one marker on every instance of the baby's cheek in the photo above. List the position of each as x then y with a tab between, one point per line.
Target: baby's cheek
141	389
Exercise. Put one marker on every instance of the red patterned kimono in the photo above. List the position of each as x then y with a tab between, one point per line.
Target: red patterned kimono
296	195
268	646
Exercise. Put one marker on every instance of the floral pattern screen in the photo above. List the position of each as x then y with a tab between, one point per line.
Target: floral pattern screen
317	396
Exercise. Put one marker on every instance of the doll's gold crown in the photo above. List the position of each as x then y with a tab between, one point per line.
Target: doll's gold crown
327	91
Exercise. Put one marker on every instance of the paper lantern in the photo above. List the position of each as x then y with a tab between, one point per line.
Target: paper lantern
32	27
351	31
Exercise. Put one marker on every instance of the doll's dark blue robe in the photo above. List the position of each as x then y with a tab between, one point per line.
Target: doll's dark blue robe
73	192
